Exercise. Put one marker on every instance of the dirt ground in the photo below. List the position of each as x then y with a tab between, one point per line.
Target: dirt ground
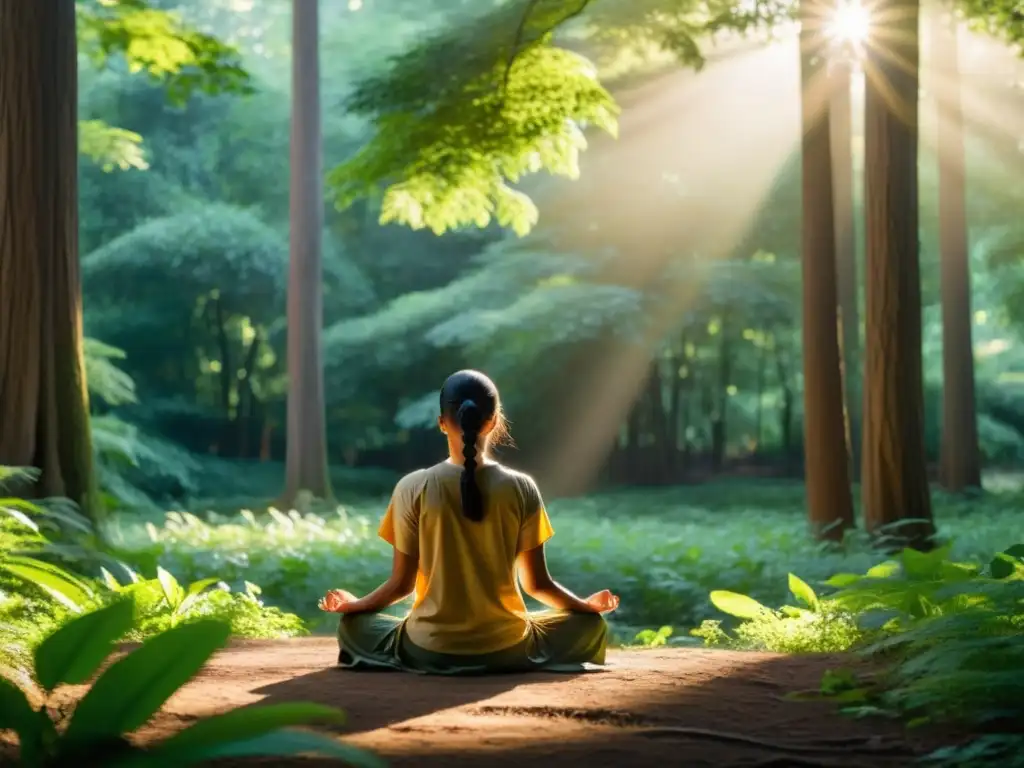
671	707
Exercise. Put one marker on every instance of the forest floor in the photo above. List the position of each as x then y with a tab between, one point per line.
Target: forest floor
691	707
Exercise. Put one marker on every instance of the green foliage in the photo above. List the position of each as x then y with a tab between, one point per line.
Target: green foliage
950	635
662	551
130	690
447	148
110	147
160	44
124	454
215	249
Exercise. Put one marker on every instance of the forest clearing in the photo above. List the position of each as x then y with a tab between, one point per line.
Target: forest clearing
747	274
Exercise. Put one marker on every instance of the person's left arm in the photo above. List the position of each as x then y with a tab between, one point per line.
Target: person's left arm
399	585
400	529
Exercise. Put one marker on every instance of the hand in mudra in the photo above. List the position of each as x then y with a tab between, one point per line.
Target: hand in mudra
603	601
336	601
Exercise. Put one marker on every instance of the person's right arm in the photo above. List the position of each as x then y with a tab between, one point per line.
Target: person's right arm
537	582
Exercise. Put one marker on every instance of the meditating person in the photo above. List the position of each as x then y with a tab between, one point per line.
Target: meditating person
461	530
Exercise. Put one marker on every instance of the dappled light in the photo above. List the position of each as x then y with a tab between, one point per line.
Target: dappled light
460	383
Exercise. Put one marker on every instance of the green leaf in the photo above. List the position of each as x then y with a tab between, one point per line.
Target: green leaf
1017	551
289	742
170	586
802	591
246	724
1002	566
843	580
66	589
883	570
109	580
12	511
195	590
17	715
738	605
134	688
74	652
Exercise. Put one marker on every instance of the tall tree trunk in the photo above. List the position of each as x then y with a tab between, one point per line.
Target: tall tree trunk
826	461
960	465
786	411
762	378
894	472
719	423
841	120
44	406
306	457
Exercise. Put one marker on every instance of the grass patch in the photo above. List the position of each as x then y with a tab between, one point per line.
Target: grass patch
664	551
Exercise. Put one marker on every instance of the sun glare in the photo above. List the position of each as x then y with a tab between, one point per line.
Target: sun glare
851	24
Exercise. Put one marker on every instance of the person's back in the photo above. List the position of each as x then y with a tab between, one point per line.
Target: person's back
467	595
462	531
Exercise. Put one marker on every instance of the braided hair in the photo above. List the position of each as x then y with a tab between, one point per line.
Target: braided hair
470	400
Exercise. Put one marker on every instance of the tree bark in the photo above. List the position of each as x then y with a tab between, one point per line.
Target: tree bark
719	422
841	120
826	461
894	472
306	457
44	406
960	463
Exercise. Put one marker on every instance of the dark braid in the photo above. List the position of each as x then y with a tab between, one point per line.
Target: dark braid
469	401
470	424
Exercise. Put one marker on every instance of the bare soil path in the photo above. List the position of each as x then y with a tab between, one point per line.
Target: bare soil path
669	707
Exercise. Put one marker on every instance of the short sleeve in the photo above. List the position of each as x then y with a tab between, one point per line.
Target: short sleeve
400	526
535	528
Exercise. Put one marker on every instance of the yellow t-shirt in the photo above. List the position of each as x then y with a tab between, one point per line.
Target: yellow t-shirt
467	597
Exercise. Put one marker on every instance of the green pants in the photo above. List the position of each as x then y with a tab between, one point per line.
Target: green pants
556	641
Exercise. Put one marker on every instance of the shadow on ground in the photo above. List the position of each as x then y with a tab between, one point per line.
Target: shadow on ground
689	707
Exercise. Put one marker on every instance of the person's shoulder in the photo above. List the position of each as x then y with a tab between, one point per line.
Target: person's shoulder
524	482
413	482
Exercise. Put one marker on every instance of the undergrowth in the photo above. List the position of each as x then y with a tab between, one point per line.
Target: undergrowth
947	636
662	551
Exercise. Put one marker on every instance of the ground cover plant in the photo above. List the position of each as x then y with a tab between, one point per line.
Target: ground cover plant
664	550
129	691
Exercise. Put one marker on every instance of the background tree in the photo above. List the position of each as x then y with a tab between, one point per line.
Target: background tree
44	410
846	225
306	465
830	508
960	465
894	470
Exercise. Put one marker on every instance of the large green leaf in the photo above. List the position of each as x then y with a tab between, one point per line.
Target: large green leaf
17	715
1007	562
247	723
289	742
194	592
738	605
17	509
802	591
134	688
70	591
74	652
171	588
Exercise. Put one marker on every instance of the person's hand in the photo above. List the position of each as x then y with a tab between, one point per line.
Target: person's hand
336	601
603	601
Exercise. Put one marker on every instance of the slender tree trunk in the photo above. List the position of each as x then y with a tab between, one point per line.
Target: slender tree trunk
786	412
960	464
719	424
846	253
44	407
829	505
306	462
894	472
762	378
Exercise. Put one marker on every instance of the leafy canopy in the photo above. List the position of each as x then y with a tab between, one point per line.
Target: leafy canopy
162	45
449	145
477	107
